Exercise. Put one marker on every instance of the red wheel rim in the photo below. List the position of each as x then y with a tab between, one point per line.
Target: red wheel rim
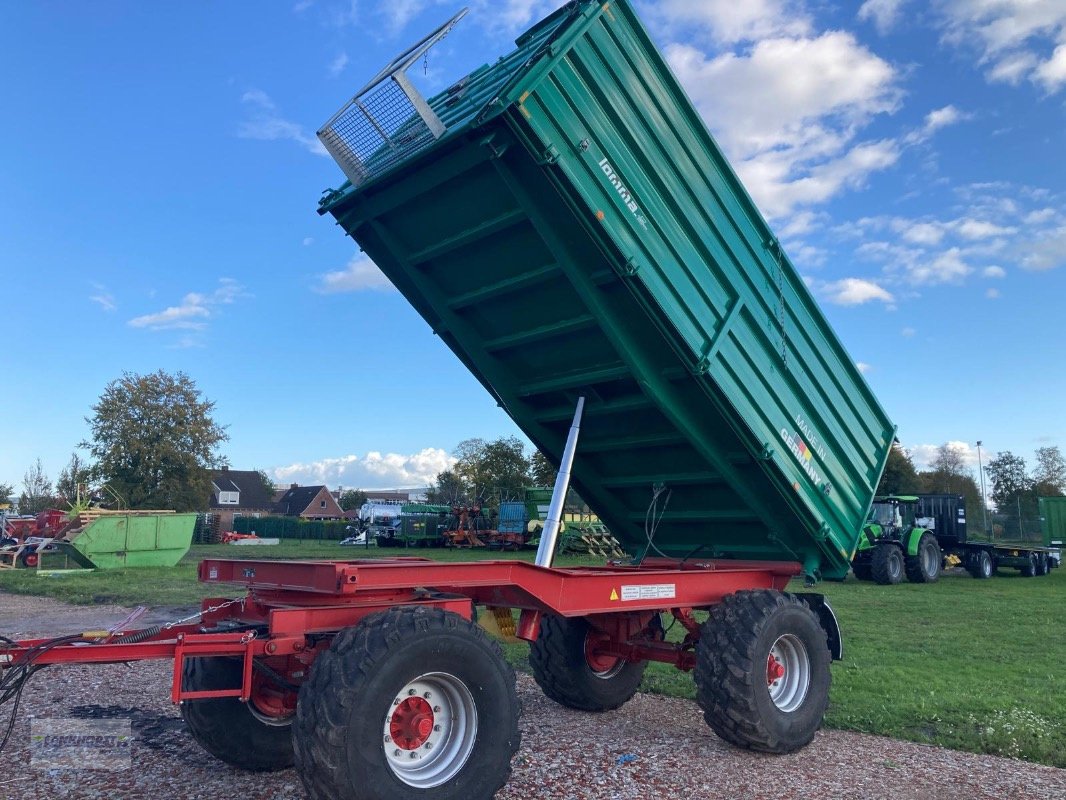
411	723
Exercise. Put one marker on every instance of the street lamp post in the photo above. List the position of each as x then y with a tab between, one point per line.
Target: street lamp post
984	502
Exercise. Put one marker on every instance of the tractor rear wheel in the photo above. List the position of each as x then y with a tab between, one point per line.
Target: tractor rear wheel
1030	570
235	732
762	671
413	702
925	566
886	564
980	565
570	672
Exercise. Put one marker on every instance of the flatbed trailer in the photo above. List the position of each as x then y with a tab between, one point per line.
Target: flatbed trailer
373	678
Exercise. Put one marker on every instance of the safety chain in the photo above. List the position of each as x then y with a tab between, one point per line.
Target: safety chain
209	610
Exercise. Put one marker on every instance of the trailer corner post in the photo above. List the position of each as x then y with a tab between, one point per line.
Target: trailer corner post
550	534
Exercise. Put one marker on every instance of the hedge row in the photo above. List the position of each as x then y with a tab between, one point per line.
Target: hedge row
291	528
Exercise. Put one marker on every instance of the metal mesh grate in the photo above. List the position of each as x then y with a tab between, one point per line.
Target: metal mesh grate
387	121
375	131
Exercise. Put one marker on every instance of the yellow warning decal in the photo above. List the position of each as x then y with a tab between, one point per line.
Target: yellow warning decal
614	594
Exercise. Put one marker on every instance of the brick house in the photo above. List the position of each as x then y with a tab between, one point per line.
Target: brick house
308	502
236	492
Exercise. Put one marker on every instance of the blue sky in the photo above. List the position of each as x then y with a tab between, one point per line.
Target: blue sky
160	175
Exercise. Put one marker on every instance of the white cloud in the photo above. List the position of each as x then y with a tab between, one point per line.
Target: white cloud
787	111
935	120
980	229
925	233
863	367
923	455
994	272
1014	39
992	294
265	123
308	241
337	65
947	267
908	332
729	21
1044	250
1039	217
103	298
853	292
883	13
375	470
193	311
360	274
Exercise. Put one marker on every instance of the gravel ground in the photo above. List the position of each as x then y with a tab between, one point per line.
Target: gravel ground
652	747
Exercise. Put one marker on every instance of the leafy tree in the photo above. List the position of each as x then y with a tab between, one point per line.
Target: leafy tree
352	499
36	490
541	470
900	476
491	470
1049	474
1010	481
6	491
154	440
75	473
269	487
447	488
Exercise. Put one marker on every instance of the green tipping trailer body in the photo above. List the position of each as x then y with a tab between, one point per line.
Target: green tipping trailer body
573	186
1053	521
137	539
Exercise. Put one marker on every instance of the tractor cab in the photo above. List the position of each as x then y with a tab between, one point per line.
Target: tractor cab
892	514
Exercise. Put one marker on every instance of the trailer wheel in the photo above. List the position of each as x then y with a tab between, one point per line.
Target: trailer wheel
413	702
30	558
886	564
925	566
863	572
980	565
1030	570
762	671
568	670
1042	564
228	729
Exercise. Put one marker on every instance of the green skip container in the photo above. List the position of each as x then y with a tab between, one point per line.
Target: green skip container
133	539
564	221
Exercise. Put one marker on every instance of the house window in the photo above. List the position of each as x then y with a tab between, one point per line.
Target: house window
229	498
323	504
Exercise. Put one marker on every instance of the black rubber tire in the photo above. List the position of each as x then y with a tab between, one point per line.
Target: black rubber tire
225	727
918	566
29	559
731	664
1042	567
863	572
980	565
1030	569
886	564
559	666
338	731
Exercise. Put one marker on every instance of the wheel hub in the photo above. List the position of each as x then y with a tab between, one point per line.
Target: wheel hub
429	730
603	665
788	673
775	670
411	723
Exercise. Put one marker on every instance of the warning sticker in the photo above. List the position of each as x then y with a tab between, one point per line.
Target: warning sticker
652	591
614	594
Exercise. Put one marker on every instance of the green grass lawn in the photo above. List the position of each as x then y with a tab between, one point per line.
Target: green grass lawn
967	664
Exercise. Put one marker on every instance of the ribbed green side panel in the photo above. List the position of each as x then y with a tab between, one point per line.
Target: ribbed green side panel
584	235
136	540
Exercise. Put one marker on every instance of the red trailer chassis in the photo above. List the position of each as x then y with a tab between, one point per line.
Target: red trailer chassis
294	610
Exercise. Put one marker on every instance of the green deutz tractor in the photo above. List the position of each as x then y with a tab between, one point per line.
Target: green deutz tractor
894	543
